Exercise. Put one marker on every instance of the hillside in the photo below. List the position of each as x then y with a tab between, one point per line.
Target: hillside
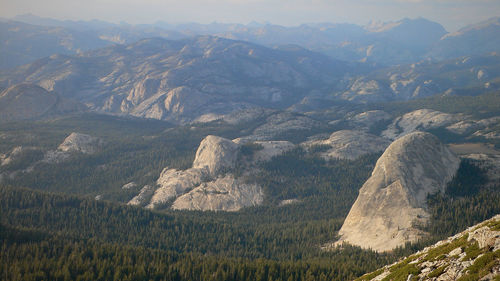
26	101
470	75
226	152
473	254
182	80
476	39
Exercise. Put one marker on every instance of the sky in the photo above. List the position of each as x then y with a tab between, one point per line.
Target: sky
452	14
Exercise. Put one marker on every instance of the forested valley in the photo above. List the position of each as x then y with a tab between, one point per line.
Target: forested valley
66	237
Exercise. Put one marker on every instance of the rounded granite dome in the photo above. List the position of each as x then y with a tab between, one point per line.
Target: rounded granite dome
393	199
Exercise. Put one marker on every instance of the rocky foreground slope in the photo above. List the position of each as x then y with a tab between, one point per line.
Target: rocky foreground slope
471	255
393	199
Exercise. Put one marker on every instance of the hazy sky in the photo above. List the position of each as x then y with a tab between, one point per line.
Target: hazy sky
453	14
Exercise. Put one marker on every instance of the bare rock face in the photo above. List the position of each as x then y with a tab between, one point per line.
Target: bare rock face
271	149
282	123
75	142
177	105
129	185
143	196
266	149
363	89
419	119
209	184
455	259
393	199
223	194
370	118
470	126
288	202
347	144
215	154
173	183
80	142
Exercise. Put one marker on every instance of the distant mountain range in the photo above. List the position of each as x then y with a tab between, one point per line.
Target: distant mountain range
110	69
469	75
23	42
181	80
282	126
401	42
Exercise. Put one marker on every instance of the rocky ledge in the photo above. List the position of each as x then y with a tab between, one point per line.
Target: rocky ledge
471	255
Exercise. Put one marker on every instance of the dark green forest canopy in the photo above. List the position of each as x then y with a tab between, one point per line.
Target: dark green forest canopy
42	231
58	236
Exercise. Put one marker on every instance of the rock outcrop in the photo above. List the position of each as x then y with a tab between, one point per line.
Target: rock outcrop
469	255
281	124
348	144
422	119
173	183
77	142
393	199
143	196
129	185
223	194
209	184
469	126
424	78
270	149
215	154
370	118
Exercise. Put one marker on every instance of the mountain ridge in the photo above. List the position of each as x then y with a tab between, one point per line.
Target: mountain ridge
152	77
